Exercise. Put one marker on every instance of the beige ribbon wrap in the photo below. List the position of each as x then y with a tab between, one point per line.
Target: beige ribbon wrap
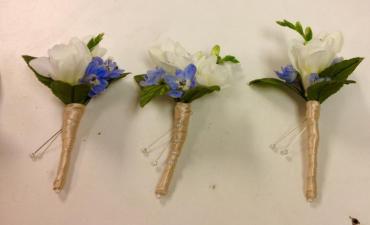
179	132
71	119
312	118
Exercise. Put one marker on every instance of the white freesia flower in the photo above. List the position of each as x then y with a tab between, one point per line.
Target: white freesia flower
210	73
170	56
66	62
316	55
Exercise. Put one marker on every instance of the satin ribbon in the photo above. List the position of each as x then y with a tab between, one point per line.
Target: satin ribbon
71	119
180	128
312	118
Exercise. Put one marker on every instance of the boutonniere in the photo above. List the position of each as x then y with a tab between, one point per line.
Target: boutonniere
315	73
75	73
182	77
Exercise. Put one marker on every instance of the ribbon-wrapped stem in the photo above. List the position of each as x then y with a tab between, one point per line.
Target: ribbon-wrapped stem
180	128
312	118
71	119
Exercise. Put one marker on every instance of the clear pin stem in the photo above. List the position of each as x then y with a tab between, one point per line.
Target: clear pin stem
288	139
40	151
162	142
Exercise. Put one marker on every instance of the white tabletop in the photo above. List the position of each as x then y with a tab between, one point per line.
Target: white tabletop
226	174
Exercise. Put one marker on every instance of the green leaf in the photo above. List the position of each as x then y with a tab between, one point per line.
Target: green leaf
197	92
307	35
221	60
62	90
286	23
216	50
95	41
80	93
28	58
278	84
229	58
71	94
341	71
139	78
45	80
323	90
298	28
349	82
149	92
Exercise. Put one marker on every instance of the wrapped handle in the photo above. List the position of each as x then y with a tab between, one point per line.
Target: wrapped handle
179	133
71	119
312	118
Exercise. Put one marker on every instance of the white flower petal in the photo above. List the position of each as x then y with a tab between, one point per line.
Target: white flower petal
82	59
168	45
69	61
208	72
317	61
316	55
170	56
294	48
42	66
156	54
335	40
57	54
98	51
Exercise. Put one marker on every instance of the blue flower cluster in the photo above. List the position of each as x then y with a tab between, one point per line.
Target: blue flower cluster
287	73
98	73
153	77
178	83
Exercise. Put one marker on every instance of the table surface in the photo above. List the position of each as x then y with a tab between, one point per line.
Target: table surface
227	174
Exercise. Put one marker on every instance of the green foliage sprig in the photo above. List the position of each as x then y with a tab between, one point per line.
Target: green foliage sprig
221	60
306	34
94	41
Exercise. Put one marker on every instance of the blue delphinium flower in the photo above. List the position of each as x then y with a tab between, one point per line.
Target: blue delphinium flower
113	70
287	73
153	77
315	78
182	81
98	73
